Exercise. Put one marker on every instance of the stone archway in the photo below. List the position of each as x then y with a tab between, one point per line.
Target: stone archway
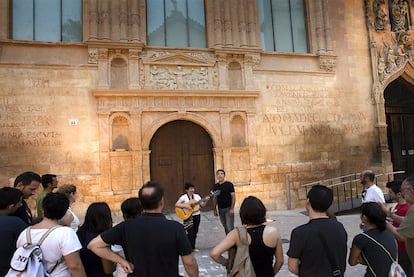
181	151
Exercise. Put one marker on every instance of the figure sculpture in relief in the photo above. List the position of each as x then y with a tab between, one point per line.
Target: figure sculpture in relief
391	58
381	68
398	16
380	15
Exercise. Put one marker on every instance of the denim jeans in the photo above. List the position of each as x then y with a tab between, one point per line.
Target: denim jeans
226	219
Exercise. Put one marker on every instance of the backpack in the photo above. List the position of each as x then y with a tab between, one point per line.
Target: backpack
28	261
240	264
395	269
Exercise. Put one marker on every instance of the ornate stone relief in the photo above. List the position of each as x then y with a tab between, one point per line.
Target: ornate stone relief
380	15
93	55
177	71
393	54
391	41
327	62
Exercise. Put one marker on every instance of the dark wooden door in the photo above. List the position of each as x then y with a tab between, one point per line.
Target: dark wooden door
181	151
401	128
399	106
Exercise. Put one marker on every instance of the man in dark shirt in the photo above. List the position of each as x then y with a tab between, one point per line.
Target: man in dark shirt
223	204
10	226
151	242
322	237
28	183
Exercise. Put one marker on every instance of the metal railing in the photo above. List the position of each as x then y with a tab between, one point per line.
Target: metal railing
348	189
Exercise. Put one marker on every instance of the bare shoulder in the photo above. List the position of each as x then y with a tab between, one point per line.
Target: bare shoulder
271	230
270	236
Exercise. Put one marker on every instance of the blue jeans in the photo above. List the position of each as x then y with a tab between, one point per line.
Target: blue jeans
226	219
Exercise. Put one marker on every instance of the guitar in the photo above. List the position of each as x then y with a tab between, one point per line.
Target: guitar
185	214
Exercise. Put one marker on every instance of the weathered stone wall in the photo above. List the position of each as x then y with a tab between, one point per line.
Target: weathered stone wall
312	115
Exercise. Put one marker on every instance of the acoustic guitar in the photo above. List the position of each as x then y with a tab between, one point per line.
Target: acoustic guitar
185	214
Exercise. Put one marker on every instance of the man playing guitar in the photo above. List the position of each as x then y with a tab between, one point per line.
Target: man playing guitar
184	203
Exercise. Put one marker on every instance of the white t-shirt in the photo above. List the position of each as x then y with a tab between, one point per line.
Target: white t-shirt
60	242
374	194
184	198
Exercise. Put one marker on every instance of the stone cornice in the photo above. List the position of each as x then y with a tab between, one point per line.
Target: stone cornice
174	93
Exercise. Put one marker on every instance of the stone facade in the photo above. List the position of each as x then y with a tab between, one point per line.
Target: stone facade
88	111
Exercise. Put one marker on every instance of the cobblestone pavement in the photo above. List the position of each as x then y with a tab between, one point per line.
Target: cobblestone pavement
211	232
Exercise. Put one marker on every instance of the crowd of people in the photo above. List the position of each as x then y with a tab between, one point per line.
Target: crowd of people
147	243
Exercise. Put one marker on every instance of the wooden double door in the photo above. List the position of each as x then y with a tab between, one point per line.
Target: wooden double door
182	151
399	106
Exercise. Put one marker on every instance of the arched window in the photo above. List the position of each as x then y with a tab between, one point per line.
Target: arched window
176	23
282	26
47	20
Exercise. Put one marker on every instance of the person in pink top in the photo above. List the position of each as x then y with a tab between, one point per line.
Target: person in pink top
397	214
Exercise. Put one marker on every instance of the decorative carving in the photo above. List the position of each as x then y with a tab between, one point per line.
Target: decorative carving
393	56
134	54
327	62
179	77
102	53
381	68
93	55
398	15
380	15
166	57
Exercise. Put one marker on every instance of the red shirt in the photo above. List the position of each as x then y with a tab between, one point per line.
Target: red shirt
400	210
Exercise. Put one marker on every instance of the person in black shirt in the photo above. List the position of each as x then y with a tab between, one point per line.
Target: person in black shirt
319	247
28	183
223	204
10	226
152	243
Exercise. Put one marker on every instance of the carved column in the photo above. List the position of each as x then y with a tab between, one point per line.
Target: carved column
327	27
218	158
115	29
93	19
142	31
133	20
243	25
228	36
251	142
218	24
146	174
103	68
4	19
104	19
320	32
252	27
123	20
135	131
222	71
248	72
133	68
235	18
104	162
226	135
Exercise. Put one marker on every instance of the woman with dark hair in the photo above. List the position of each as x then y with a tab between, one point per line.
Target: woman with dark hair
98	218
368	247
264	240
61	247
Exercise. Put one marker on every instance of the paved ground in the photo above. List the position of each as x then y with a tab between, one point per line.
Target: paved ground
211	232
